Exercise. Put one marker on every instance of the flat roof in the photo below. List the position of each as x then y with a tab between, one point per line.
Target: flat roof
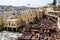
51	15
54	11
12	19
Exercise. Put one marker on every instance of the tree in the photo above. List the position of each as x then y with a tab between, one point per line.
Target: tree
54	2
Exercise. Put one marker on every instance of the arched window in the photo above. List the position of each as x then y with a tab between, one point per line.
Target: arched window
28	19
9	23
14	24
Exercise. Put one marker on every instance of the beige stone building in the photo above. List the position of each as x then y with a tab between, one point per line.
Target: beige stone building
12	23
10	19
53	13
28	15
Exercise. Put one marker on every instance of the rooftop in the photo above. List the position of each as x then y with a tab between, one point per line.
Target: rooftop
55	11
12	19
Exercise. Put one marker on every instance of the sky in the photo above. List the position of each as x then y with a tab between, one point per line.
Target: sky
33	3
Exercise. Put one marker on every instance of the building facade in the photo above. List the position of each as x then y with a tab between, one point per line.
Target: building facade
12	24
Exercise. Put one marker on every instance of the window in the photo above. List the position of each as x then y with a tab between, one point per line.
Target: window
17	23
28	19
31	18
31	15
9	23
14	24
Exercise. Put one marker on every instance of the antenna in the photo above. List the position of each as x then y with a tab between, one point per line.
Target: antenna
31	5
